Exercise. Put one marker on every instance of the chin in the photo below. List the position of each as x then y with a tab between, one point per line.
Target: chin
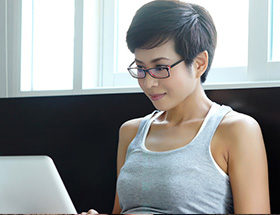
161	107
163	104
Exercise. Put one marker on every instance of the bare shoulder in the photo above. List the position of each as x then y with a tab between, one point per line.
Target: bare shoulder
127	132
131	124
240	134
129	129
247	163
236	118
236	126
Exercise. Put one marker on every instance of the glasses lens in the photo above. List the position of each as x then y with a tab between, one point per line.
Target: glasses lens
137	72
160	72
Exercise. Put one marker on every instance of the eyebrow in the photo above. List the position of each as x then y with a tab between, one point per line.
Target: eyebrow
154	60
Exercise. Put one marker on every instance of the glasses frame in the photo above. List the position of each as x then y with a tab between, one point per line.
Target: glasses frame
148	70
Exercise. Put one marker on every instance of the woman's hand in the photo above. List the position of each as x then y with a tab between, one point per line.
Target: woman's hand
91	211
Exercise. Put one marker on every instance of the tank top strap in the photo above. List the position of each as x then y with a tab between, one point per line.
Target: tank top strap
143	126
145	122
212	123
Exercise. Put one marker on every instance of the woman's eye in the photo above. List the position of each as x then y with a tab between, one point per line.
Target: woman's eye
158	69
161	65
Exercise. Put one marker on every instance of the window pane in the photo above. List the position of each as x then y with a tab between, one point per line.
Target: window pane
91	43
126	11
276	31
49	43
26	46
232	30
232	47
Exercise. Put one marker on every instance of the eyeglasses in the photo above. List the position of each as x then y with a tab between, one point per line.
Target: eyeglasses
160	72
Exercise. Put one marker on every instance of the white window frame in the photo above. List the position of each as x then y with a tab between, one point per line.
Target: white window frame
78	46
258	59
10	49
12	45
3	49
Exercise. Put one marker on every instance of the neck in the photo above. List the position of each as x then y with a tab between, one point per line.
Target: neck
195	106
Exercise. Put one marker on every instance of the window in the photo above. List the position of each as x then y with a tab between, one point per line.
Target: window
91	43
47	50
232	31
126	11
234	44
54	47
232	47
275	30
242	35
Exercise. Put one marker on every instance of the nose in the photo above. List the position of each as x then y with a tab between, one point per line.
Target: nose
149	81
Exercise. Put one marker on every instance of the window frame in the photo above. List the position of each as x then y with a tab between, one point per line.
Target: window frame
10	50
13	50
3	48
258	61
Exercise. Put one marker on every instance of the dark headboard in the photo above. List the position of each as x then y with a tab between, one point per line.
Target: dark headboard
80	133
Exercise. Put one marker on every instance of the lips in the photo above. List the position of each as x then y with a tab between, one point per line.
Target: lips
156	97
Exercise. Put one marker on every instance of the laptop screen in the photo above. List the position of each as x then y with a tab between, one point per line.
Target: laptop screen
32	184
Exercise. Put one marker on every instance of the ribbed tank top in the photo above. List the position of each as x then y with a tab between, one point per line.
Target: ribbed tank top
180	181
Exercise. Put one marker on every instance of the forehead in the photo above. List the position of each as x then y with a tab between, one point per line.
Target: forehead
167	50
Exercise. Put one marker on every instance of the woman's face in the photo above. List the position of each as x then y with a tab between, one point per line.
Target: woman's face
168	93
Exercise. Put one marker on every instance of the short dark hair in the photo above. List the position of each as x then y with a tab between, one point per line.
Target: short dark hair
190	25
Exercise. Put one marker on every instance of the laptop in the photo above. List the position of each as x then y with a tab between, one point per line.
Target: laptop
32	185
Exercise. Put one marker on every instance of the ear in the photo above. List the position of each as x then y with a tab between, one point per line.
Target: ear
200	63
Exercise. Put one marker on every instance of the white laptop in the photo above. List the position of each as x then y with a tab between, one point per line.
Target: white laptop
32	185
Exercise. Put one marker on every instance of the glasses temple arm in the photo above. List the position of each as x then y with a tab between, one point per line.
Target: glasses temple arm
176	63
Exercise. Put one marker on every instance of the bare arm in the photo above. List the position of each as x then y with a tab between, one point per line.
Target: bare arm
248	169
126	134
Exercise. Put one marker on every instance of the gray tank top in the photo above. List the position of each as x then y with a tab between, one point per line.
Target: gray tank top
180	181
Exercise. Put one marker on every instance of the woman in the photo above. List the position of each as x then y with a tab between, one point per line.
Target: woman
191	155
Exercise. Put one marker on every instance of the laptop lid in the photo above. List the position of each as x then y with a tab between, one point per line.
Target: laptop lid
32	185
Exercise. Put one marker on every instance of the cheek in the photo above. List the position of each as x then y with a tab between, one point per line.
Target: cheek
140	82
182	81
142	85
